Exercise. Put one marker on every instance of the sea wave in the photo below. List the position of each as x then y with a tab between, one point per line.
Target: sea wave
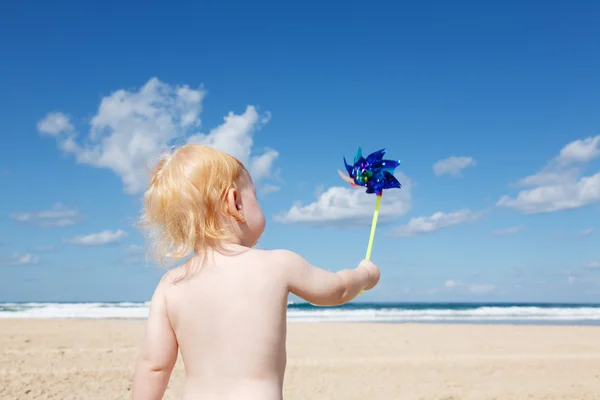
480	314
352	313
74	310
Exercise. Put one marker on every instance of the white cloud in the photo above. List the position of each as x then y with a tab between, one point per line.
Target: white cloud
511	230
582	150
435	222
551	176
98	239
350	206
22	259
59	215
475	288
234	137
132	128
587	232
557	197
559	185
268	188
54	124
453	165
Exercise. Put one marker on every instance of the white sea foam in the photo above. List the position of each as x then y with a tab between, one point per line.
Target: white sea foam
74	310
361	314
431	315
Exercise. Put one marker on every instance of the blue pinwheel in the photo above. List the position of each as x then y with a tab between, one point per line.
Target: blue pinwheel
373	172
376	174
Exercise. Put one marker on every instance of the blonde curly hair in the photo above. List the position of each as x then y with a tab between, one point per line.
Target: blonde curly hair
185	204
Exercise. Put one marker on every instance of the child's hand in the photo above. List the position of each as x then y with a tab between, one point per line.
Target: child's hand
373	273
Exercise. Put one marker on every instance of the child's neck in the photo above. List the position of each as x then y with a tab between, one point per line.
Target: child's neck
228	248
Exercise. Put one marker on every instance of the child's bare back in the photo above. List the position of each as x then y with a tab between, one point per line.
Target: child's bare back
230	325
225	312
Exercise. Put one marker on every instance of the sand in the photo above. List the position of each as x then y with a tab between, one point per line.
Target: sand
94	359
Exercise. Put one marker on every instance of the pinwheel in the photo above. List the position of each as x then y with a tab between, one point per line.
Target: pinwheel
376	174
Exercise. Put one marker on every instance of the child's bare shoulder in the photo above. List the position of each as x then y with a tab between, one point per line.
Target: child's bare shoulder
281	256
171	277
285	261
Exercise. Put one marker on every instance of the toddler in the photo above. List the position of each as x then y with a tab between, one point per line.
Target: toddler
225	308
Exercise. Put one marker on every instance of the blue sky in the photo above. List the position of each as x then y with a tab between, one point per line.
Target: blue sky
492	108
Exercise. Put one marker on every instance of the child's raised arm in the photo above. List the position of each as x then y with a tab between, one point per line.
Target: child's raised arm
158	353
325	288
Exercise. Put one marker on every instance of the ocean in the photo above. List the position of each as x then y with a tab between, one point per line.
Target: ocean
516	313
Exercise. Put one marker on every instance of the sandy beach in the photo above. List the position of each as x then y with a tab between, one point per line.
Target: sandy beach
94	359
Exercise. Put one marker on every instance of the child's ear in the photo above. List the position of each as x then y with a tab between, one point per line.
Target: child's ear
234	205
